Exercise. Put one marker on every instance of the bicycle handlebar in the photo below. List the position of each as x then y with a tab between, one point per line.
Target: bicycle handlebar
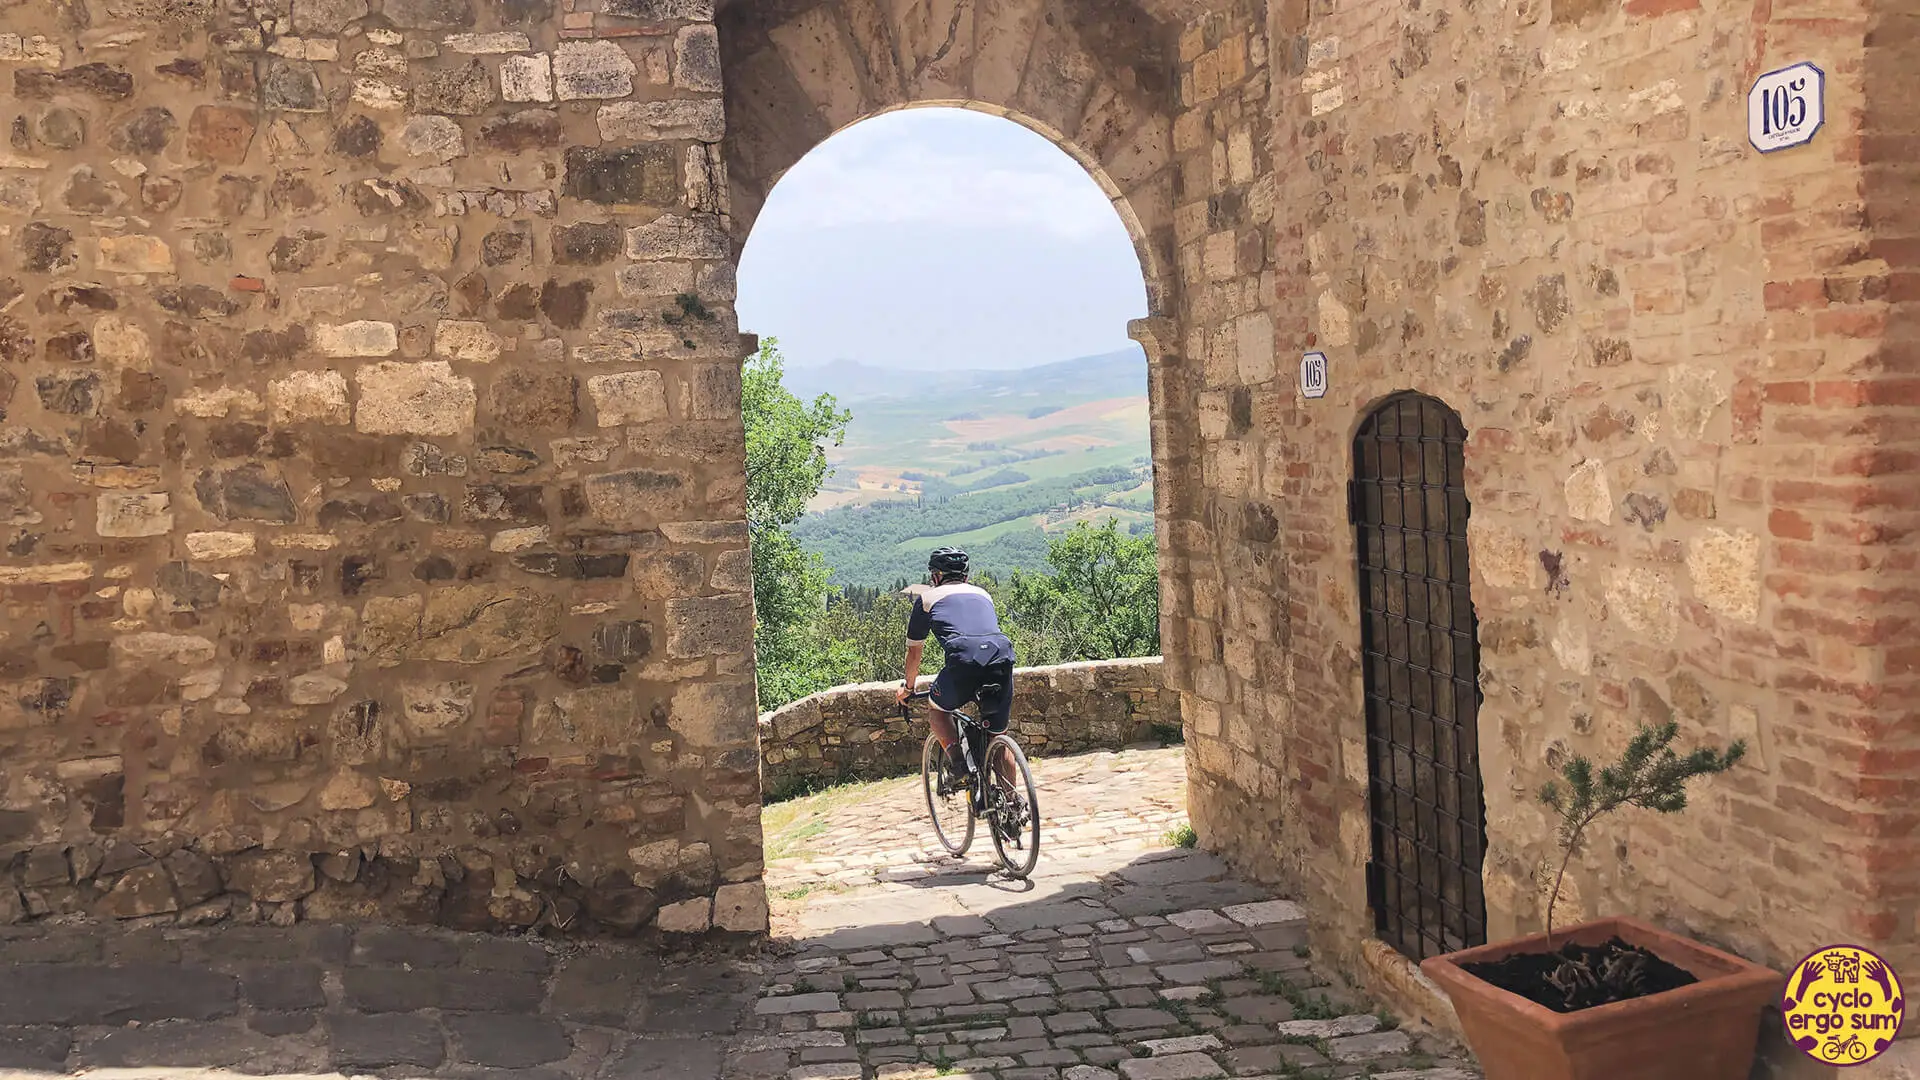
916	695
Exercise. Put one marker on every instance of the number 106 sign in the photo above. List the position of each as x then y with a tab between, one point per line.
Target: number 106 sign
1786	107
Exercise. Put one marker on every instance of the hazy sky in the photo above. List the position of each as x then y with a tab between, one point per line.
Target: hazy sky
939	237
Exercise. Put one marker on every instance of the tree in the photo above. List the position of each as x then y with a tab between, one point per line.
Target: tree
787	441
1100	600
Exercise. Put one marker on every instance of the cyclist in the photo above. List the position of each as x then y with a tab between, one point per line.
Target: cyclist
979	658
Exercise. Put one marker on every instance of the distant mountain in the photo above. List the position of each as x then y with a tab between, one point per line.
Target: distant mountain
1117	374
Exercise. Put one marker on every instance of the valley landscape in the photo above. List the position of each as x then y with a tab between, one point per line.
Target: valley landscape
989	460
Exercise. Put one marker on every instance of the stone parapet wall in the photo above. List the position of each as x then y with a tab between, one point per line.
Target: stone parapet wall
371	466
857	732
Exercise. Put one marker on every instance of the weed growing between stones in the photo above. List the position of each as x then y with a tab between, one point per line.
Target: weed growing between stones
1182	836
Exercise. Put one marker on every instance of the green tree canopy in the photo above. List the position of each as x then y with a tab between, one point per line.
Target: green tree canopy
787	441
1100	600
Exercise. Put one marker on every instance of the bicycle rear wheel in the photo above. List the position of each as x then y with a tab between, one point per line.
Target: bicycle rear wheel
1013	807
953	813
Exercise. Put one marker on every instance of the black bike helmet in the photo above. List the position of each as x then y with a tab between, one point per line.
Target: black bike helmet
947	560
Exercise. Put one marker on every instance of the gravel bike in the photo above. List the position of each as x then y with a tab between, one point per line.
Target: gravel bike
998	787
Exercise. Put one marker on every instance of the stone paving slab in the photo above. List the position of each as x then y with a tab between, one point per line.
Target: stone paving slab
371	1000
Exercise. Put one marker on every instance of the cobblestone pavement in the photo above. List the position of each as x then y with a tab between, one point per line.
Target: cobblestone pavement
1122	958
366	1000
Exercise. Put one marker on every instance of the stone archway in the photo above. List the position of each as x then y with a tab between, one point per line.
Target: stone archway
1094	80
1094	77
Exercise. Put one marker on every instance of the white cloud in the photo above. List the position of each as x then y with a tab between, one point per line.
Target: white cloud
941	166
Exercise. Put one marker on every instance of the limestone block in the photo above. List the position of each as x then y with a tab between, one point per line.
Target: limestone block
662	279
686	917
741	907
276	877
714	714
628	397
592	69
1724	568
430	710
696	58
700	119
141	891
465	90
314	689
1589	497
133	255
469	340
435	138
703	626
597	717
133	515
361	338
636	496
424	398
527	78
208	546
318	396
672	236
505	41
1646	602
478	624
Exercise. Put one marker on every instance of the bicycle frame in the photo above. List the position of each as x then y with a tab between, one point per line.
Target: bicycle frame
962	724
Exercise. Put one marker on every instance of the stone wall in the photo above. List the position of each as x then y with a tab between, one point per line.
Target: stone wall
1685	369
371	466
857	732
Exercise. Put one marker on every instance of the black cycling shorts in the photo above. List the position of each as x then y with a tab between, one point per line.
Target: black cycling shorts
959	684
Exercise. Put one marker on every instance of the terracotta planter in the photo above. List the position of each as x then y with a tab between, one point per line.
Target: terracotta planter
1706	1031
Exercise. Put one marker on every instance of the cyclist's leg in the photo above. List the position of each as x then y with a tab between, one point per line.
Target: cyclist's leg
940	705
995	713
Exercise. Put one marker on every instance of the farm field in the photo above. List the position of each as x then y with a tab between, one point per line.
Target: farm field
991	461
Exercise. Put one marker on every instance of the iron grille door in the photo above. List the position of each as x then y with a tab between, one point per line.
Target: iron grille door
1422	668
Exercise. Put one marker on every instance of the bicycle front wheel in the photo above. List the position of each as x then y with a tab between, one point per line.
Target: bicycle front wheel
952	813
1013	807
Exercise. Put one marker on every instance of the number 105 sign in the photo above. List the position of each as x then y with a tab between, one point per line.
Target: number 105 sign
1786	107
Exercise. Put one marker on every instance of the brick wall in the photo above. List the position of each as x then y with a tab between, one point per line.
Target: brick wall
856	732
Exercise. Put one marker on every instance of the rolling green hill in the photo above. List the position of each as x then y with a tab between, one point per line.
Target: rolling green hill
986	460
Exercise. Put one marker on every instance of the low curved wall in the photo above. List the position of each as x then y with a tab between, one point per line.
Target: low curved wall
856	731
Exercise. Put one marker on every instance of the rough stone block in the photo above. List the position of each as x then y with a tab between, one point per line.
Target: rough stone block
133	255
647	175
696	58
673	236
526	78
424	398
628	397
378	1042
592	69
361	338
133	515
700	119
465	90
310	396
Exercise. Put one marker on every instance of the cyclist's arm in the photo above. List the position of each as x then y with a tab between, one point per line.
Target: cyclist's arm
919	624
914	649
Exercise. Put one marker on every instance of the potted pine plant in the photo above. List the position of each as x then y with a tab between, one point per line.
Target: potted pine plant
1617	997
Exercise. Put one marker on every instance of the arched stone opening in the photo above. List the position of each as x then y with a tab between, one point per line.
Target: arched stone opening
1094	78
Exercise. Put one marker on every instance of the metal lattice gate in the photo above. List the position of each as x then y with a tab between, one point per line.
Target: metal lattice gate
1408	503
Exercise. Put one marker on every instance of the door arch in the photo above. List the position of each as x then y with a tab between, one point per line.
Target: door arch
1421	665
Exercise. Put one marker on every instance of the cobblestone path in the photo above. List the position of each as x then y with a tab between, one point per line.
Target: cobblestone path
1123	958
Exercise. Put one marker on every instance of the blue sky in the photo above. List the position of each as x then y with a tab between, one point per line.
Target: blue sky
939	238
